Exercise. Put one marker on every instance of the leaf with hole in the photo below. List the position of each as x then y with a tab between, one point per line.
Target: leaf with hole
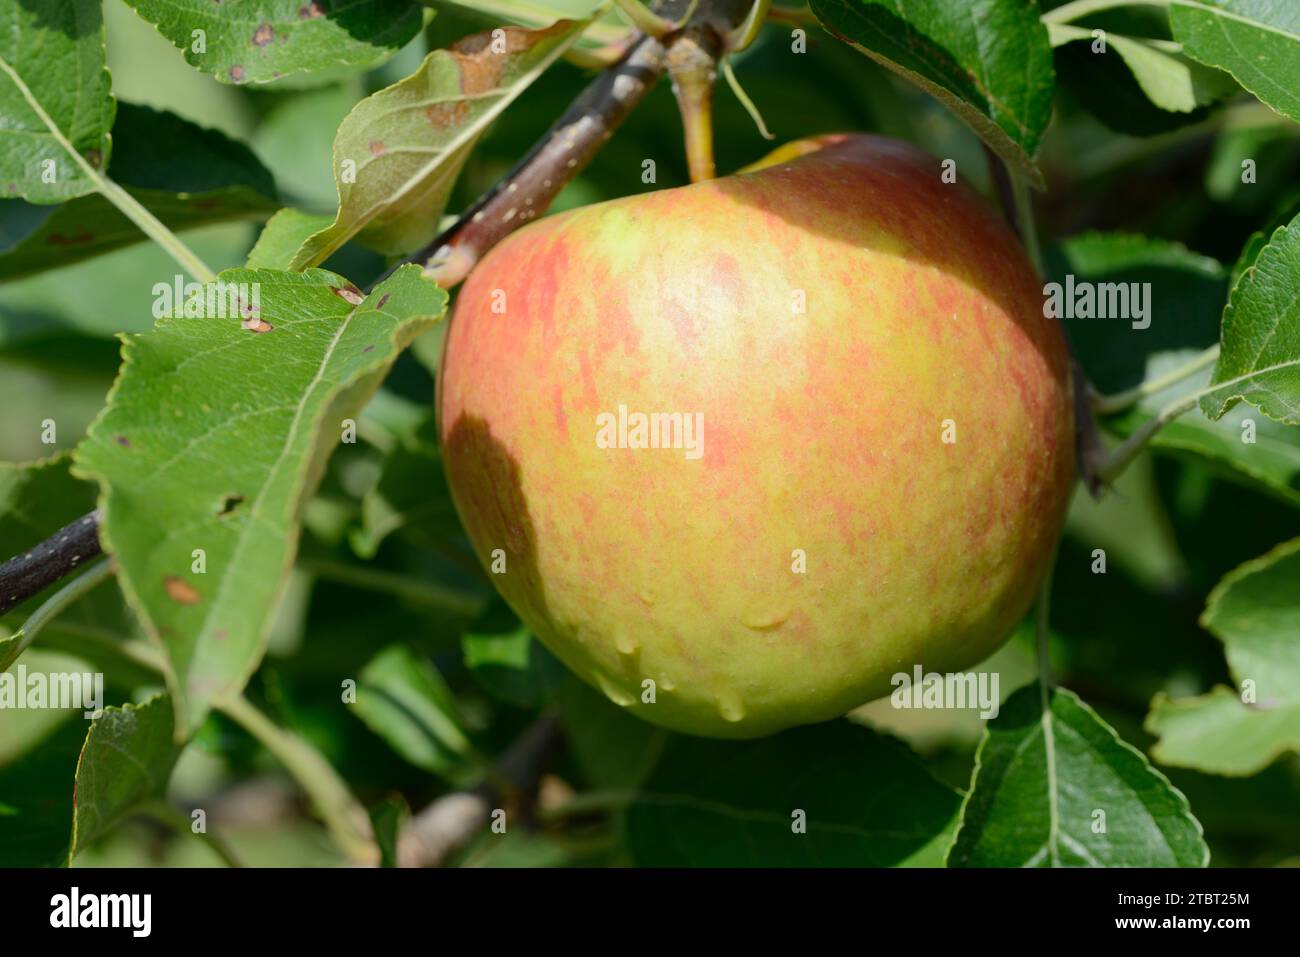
214	436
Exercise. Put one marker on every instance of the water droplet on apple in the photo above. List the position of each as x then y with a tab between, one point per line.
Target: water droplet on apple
613	692
731	707
625	643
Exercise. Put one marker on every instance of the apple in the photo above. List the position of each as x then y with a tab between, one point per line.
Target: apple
740	452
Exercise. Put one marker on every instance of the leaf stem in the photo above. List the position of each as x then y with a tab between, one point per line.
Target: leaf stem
124	201
342	813
96	574
173	818
1081	8
1109	404
1129	449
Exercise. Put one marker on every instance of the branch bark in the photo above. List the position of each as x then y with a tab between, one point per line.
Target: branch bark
533	183
42	565
450	822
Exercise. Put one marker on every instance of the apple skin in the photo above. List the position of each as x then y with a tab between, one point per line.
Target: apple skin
822	432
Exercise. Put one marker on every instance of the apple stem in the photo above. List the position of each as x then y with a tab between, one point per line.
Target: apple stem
692	62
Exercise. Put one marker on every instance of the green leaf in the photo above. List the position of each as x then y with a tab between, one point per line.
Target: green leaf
54	96
402	698
505	659
1219	734
1170	80
283	236
614	750
263	41
1255	612
1260	343
860	799
387	818
1257	41
989	61
1054	786
411	496
214	437
206	178
36	789
398	153
127	761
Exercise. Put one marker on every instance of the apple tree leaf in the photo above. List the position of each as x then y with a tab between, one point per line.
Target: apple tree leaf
36	784
1171	81
398	153
1257	41
215	433
509	662
411	496
402	698
205	178
1054	786
126	761
1259	359
260	41
989	61
1219	734
1255	612
54	96
834	794
283	236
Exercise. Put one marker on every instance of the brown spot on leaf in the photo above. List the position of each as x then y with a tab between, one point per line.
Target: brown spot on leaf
256	325
181	591
123	441
445	116
377	148
349	294
263	35
94	157
237	74
382	299
310	11
220	634
229	504
369	348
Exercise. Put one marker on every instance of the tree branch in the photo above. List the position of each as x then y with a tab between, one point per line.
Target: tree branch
450	822
42	565
533	183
